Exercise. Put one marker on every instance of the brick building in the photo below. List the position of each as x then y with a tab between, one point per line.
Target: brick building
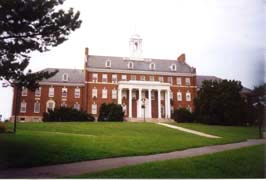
143	86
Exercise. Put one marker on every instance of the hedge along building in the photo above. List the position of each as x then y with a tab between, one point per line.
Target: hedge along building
145	87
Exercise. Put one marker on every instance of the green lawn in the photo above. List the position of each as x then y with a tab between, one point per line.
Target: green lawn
241	163
38	144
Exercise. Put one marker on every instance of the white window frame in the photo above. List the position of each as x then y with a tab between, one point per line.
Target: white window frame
104	93
173	67
162	96
189	108
65	77
124	94
188	96
64	92
130	65
143	78
104	78
94	77
170	80
179	96
152	78
51	92
124	77
48	103
94	92
63	104
24	91
179	81
133	77
114	78
76	106
152	95
161	79
188	81
38	92
114	94
94	108
108	63
77	92
37	107
152	66
23	107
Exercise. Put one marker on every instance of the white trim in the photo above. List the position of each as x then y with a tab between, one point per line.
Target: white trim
61	84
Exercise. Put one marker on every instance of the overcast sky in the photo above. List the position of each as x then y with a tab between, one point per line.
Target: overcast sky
224	38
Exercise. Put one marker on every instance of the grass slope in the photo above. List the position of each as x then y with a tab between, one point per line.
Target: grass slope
52	143
241	163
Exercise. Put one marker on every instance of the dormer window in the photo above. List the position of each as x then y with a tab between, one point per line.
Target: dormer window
65	77
130	65
152	66
173	67
108	63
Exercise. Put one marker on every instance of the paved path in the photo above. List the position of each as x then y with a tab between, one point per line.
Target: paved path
78	168
189	130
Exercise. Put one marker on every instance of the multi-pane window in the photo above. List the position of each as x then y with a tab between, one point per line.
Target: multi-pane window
23	107
161	79
77	92
95	77
179	96
114	94
37	107
170	80
38	92
77	106
94	108
64	92
142	78
178	81
188	96
51	92
94	92
151	78
187	81
104	93
50	105
133	77
124	77
114	78
104	78
24	91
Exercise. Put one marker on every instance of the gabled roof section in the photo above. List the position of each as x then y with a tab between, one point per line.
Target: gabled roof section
74	76
120	63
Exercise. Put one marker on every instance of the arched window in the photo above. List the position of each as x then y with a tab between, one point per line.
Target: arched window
152	66
65	77
173	67
50	104
188	96
37	107
108	63
130	65
179	96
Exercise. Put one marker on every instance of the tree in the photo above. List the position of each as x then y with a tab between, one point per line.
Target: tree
26	26
220	102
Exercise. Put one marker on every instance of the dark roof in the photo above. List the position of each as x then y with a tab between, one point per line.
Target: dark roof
74	75
120	63
201	78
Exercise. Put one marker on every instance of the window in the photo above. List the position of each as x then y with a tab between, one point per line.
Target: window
151	78
114	94
77	106
50	105
77	92
133	77
94	77
161	79
170	80
124	108
23	107
189	108
153	95
130	65
65	77
152	66
64	92
94	108
124	77
37	106
179	96
178	81
142	78
162	96
171	95
124	94
108	63
24	91
187	81
38	92
104	93
104	78
114	78
173	67
63	104
188	96
94	92
51	92
134	94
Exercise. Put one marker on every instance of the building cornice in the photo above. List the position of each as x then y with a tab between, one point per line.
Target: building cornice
61	84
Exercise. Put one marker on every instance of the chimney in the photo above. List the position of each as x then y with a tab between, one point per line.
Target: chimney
182	58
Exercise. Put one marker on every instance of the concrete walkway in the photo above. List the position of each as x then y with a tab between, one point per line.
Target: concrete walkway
189	130
71	169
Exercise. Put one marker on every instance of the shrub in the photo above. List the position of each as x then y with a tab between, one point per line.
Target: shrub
111	112
182	115
3	128
65	114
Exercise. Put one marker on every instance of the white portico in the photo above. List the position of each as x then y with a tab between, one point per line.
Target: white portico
141	95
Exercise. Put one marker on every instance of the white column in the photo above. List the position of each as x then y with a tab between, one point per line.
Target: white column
165	104
119	96
150	114
159	104
130	103
169	104
139	104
